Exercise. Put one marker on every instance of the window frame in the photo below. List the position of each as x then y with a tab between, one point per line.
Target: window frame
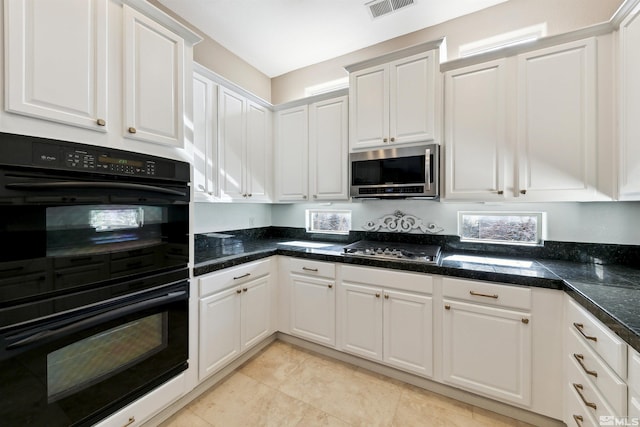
540	230
309	222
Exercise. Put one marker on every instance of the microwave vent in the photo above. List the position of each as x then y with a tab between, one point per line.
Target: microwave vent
378	8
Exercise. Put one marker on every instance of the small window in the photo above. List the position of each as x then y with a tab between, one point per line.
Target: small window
328	221
516	228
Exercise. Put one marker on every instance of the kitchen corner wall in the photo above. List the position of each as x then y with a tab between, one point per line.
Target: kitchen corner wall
601	222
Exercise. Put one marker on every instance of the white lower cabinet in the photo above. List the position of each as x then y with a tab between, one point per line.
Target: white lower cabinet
486	341
235	313
387	316
147	406
595	369
311	300
633	382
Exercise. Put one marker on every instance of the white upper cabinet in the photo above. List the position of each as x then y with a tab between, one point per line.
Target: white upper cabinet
328	149
244	145
312	150
394	102
556	125
629	96
52	74
476	131
292	154
153	81
525	127
204	135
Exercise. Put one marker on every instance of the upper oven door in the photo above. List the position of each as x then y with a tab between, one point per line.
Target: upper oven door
61	232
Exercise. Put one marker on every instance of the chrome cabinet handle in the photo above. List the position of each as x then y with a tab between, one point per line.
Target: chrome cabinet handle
310	269
580	328
579	388
580	359
243	276
478	294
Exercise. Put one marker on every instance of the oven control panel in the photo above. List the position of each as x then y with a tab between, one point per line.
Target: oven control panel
79	159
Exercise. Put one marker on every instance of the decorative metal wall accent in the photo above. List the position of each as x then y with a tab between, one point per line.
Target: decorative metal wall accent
399	222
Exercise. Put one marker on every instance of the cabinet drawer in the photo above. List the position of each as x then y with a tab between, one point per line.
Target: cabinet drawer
598	372
312	268
223	279
487	293
392	279
590	398
634	371
576	414
600	338
148	405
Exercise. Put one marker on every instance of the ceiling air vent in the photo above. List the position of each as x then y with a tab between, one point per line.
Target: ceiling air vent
383	7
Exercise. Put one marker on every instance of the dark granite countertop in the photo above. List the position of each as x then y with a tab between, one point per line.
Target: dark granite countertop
611	292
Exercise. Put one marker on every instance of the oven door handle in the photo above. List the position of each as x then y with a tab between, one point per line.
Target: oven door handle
92	185
95	320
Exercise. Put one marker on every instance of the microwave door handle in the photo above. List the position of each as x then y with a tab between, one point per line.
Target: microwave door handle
92	184
427	168
96	320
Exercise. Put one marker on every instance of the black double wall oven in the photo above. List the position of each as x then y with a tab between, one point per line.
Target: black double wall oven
94	252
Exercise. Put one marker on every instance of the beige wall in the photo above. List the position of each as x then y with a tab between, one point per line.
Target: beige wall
225	63
560	15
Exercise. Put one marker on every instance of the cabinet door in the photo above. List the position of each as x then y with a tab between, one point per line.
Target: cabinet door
557	122
219	330
412	99
408	331
629	95
153	81
256	311
204	135
476	132
329	149
487	349
313	309
231	146
369	107
52	74
258	149
362	320
292	170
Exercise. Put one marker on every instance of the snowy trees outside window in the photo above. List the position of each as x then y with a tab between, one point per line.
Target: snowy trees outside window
328	221
501	227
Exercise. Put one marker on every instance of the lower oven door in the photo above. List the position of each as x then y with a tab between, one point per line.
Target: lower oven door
76	368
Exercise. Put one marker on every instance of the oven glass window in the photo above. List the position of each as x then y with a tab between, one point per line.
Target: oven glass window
93	359
94	229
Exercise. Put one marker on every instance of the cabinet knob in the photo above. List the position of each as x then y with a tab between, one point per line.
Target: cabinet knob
384	140
244	289
447	307
101	122
201	187
501	192
238	291
304	197
523	191
132	130
315	196
393	139
377	295
386	296
330	286
525	320
244	195
249	195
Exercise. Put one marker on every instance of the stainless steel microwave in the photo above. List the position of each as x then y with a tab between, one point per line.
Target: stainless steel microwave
405	172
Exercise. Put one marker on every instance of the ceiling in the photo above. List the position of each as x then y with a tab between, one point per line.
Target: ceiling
278	36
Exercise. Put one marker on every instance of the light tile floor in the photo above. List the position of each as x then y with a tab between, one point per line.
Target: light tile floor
285	385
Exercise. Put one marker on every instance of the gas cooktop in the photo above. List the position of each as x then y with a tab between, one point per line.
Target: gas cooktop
426	254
